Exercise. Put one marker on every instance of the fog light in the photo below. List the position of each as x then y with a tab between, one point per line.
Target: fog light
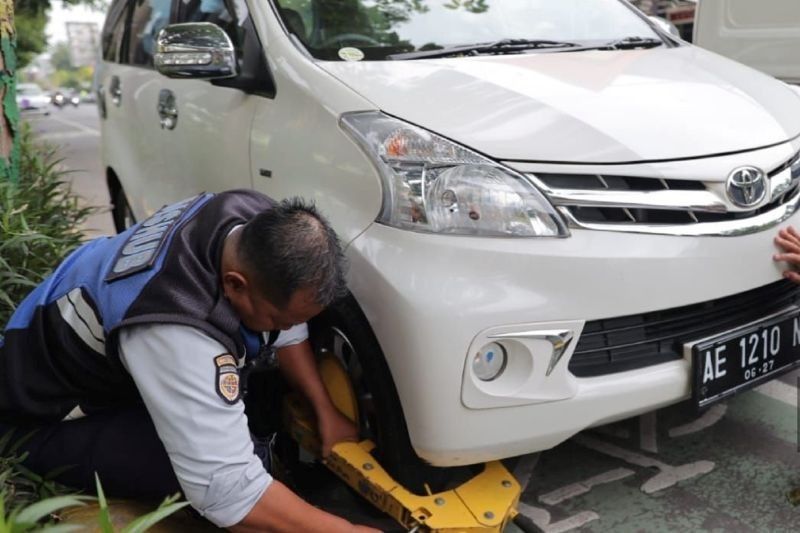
489	362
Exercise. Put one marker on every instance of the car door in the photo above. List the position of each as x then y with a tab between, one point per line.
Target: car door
166	139
127	81
205	125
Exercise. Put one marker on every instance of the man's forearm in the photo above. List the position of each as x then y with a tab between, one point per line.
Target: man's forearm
299	366
279	510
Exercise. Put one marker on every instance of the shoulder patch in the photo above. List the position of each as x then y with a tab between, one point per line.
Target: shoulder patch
227	378
140	250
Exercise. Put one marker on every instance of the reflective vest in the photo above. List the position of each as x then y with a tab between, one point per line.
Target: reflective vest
59	350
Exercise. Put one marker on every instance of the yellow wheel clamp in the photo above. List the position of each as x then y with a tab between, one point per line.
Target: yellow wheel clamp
485	503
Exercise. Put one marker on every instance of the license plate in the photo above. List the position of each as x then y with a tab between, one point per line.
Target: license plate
740	359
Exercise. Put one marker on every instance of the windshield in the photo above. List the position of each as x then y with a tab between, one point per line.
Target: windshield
375	29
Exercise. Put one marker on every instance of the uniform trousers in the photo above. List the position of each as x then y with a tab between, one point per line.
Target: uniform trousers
120	445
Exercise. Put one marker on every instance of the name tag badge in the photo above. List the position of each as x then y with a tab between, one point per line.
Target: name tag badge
140	250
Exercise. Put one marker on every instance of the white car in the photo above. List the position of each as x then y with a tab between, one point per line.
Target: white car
556	214
31	98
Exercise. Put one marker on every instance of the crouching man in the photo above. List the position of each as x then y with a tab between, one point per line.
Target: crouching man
127	360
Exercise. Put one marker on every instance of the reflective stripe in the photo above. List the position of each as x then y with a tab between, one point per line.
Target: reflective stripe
82	319
74	414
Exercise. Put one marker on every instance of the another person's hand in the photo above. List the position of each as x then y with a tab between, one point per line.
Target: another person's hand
788	240
334	427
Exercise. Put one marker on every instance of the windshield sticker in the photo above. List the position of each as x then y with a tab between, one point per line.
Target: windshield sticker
348	53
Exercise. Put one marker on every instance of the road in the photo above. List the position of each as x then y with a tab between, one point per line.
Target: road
728	469
76	132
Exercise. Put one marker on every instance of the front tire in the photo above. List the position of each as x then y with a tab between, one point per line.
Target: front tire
343	331
121	213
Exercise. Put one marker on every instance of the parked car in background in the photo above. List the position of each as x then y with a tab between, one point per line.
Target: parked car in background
88	96
763	35
557	215
31	98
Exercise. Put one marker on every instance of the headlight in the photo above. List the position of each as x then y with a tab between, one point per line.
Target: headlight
434	185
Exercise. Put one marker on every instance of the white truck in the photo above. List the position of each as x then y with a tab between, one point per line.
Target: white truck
762	35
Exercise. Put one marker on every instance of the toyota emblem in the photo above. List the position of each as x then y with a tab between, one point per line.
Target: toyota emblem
746	186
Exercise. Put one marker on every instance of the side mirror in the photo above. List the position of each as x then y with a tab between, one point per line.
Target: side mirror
199	50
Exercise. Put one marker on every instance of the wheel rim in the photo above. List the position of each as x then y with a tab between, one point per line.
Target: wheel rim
338	344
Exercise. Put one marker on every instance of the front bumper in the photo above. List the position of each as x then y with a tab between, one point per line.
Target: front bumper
431	299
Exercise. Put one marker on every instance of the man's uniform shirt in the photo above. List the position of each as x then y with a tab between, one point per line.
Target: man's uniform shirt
207	439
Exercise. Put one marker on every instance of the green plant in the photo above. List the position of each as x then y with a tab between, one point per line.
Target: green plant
40	219
29	502
26	502
141	524
31	517
39	516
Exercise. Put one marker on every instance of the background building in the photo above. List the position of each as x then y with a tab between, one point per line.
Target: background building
83	39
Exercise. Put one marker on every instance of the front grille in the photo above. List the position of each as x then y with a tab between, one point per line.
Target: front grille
623	200
600	215
616	183
626	343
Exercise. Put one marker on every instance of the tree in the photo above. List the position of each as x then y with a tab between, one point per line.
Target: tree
29	24
9	139
32	16
30	19
59	57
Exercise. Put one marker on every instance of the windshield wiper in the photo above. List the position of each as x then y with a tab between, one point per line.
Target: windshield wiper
503	46
629	43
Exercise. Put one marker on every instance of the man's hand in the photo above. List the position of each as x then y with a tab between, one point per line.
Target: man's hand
298	364
788	240
280	510
334	427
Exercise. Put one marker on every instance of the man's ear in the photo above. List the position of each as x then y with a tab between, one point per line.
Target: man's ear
234	282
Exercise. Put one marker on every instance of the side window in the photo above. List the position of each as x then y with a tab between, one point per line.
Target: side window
216	12
299	17
148	17
114	31
233	17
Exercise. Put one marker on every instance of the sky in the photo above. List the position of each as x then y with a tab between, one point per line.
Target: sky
59	15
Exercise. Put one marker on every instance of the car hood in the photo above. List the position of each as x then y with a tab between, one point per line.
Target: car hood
585	107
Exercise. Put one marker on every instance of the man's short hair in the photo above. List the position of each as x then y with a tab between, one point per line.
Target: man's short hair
292	246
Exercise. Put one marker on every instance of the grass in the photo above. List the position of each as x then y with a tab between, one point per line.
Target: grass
142	523
40	219
29	502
